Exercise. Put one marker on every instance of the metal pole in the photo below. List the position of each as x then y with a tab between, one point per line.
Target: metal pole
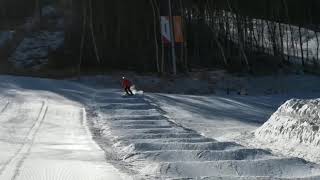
38	12
173	51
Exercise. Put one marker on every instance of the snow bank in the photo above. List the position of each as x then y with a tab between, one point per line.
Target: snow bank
295	128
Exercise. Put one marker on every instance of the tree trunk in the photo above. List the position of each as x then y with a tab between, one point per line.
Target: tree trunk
301	47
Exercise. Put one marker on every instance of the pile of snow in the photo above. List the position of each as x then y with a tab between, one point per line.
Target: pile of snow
33	51
294	127
135	91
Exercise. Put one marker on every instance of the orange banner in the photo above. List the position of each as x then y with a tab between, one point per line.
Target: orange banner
178	29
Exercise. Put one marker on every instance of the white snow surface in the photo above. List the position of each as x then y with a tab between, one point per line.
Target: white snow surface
44	134
294	127
154	144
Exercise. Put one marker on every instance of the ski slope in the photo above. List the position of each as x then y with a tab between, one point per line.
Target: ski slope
44	135
54	129
154	146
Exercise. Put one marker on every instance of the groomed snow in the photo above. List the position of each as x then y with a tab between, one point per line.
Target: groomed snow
44	134
295	128
153	145
149	136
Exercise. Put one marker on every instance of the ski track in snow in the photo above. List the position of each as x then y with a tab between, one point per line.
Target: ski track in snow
47	126
45	137
158	148
11	169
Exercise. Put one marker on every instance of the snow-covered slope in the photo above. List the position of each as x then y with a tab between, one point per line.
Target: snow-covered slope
295	126
153	146
43	133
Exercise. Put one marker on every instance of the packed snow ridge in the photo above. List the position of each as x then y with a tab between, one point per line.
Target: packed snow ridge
153	146
295	127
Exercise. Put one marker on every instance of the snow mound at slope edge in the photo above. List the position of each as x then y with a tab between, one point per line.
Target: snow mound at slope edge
294	126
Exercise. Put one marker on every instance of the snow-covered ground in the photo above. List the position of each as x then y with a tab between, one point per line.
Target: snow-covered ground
235	118
214	82
153	145
294	128
33	51
262	30
44	133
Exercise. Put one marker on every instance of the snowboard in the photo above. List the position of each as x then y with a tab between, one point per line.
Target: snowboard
134	91
127	95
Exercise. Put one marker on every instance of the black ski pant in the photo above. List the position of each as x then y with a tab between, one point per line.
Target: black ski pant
128	90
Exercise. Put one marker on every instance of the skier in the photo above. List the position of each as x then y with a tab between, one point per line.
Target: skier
126	84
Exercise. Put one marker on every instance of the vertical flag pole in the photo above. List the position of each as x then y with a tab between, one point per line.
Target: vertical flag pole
173	51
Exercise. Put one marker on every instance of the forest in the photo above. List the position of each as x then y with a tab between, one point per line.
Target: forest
232	34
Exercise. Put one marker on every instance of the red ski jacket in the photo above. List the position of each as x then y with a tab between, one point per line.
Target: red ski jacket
126	83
